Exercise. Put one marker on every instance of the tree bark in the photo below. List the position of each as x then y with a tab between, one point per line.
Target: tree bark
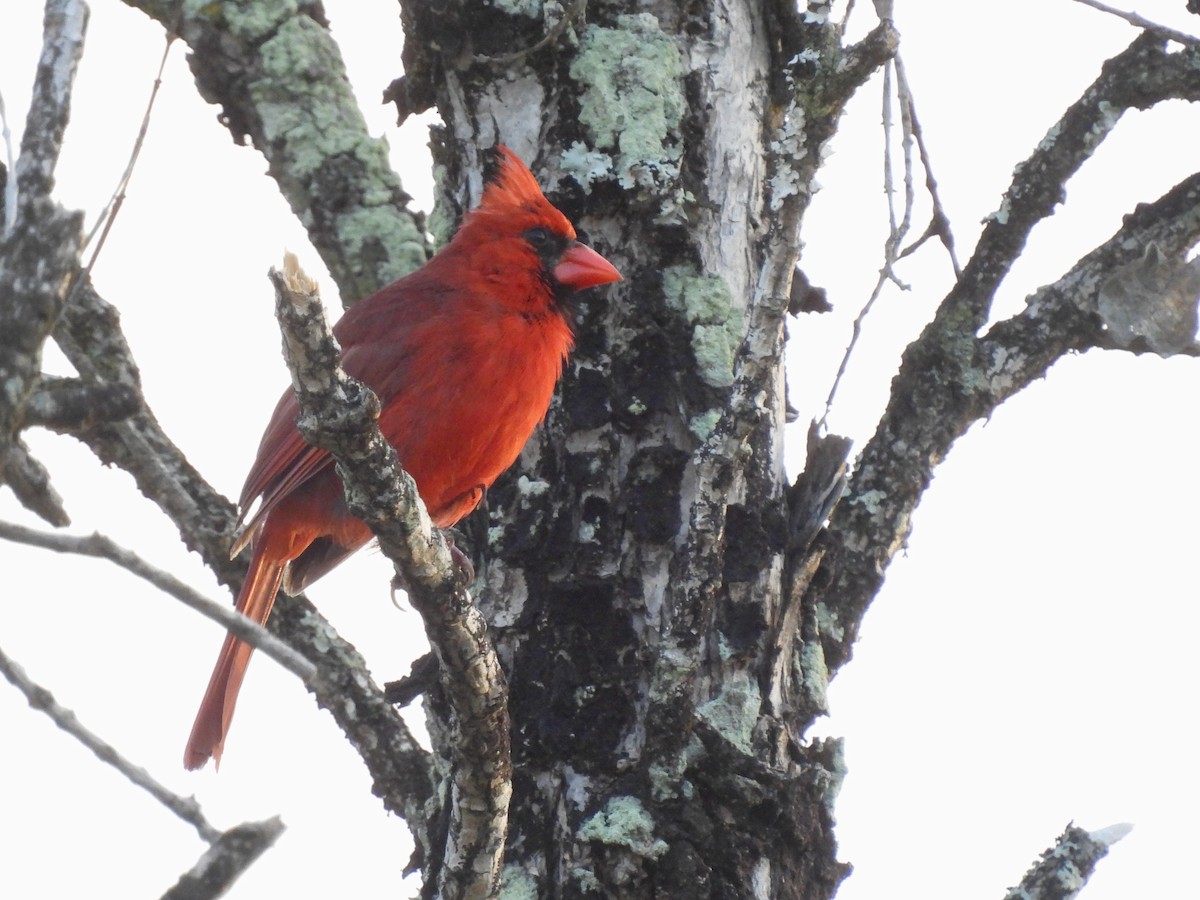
634	562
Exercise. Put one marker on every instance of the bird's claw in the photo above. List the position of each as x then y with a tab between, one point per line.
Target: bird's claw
464	572
464	569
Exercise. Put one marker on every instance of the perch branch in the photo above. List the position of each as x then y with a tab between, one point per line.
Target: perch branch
339	415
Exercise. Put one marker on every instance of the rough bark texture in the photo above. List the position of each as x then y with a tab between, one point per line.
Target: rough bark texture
635	561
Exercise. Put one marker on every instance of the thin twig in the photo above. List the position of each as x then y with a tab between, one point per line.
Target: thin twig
41	699
109	214
940	223
1180	37
896	229
102	547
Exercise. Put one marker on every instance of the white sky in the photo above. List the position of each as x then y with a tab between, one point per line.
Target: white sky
1028	662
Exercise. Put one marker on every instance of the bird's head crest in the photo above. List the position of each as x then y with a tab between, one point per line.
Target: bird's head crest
509	187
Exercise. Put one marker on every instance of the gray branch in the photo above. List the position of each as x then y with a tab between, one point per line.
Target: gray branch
41	699
339	415
279	78
102	547
63	30
223	863
950	378
39	248
1064	869
71	405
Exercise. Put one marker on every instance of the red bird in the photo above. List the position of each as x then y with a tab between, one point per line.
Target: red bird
464	354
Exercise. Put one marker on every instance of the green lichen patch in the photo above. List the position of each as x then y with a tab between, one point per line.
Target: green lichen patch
517	884
322	145
716	324
377	233
733	713
632	100
624	822
310	115
703	425
252	21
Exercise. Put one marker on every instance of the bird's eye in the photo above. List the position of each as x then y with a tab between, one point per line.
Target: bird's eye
540	237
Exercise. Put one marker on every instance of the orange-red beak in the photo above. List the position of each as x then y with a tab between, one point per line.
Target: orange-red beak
582	267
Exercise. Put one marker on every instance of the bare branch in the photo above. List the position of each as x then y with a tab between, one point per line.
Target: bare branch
939	224
225	861
339	414
41	699
897	230
101	547
73	405
1180	37
64	27
1066	867
362	228
37	253
950	378
1137	78
36	260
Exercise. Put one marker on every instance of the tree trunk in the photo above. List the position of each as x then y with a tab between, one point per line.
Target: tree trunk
634	560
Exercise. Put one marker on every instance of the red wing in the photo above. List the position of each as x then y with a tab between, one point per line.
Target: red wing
375	340
285	460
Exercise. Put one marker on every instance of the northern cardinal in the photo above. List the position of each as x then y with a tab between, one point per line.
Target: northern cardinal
464	354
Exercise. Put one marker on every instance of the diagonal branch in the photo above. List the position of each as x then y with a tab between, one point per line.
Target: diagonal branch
102	547
230	852
339	415
1143	74
1064	869
41	699
1181	37
223	863
950	378
279	78
946	384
